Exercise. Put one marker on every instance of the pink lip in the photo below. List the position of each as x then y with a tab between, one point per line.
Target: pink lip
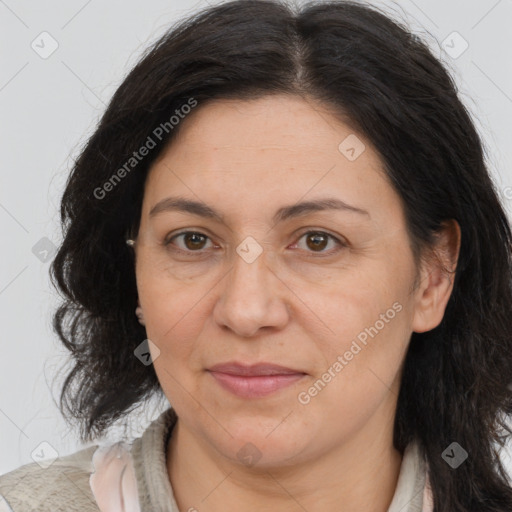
256	380
258	369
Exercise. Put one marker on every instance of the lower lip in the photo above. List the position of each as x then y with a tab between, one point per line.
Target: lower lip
255	386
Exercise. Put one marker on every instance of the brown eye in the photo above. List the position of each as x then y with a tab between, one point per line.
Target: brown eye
317	241
192	241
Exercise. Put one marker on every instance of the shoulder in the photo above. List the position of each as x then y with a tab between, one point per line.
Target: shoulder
61	486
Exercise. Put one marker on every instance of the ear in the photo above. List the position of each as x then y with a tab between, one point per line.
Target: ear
437	277
139	313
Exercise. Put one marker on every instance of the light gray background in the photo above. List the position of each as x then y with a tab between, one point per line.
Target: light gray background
48	108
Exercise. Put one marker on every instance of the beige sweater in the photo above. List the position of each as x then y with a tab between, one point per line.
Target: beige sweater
64	486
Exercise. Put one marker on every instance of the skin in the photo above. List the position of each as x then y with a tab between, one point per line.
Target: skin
298	304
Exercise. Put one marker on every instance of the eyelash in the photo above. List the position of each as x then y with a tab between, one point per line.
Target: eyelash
341	244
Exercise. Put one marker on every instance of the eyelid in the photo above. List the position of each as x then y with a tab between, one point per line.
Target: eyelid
338	238
199	231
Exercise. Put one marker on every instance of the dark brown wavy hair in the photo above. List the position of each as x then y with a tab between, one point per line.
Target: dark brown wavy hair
382	80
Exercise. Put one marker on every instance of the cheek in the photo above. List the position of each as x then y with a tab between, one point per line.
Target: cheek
173	322
365	324
359	370
175	329
168	304
347	305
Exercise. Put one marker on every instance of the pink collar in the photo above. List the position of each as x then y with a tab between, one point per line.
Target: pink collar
113	482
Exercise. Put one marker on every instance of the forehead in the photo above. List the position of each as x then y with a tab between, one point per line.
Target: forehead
277	122
273	149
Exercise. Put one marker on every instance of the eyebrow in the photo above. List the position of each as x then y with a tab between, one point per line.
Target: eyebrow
286	212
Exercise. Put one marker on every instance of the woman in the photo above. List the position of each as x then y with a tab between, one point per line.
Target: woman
297	209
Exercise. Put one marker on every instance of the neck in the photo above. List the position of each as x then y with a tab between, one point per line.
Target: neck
361	474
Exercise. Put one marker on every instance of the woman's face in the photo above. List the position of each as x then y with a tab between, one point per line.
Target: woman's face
282	273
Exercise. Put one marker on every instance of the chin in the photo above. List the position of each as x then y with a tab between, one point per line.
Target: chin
260	444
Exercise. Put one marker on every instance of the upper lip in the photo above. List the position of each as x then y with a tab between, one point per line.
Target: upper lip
234	368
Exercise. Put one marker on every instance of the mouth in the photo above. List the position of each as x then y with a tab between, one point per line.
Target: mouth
254	381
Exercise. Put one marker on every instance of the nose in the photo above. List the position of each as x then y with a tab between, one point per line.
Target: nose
252	297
